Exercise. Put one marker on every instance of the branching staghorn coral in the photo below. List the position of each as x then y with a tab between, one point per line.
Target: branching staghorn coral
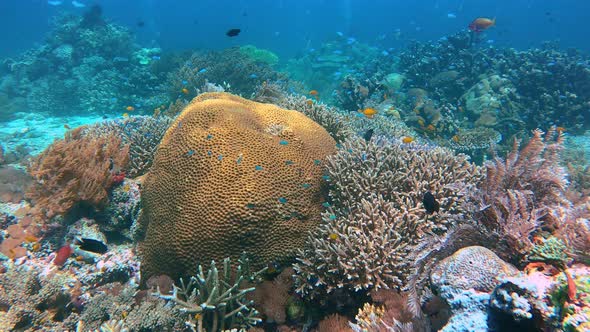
328	117
217	301
520	195
141	133
378	215
363	249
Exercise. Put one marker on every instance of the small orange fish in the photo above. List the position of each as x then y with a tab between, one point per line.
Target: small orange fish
369	112
314	92
31	238
431	127
407	139
481	23
333	236
185	91
455	138
560	129
571	286
130	108
36	246
309	102
125	115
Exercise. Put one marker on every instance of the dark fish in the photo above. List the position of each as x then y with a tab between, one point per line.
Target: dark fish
368	134
430	203
233	32
140	24
92	245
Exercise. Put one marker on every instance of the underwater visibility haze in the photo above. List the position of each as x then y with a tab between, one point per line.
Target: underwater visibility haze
302	165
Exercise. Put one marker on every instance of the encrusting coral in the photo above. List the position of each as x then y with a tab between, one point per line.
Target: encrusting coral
378	216
76	169
229	176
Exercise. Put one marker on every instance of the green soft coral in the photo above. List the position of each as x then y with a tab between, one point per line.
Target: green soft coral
259	55
552	250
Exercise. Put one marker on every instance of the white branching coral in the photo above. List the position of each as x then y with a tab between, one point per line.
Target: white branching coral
378	216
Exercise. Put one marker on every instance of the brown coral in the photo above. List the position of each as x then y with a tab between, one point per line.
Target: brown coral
271	297
231	175
334	323
76	169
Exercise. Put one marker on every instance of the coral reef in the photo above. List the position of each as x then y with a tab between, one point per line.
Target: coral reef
339	62
232	175
502	88
77	169
377	216
217	300
239	68
82	68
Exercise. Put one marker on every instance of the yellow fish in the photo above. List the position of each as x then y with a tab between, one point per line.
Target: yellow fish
407	139
369	112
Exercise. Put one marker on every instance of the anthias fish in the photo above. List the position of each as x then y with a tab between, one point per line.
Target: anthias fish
481	23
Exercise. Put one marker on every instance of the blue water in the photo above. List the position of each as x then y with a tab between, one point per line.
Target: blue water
288	27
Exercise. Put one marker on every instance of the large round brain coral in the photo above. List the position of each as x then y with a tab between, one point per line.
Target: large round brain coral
232	176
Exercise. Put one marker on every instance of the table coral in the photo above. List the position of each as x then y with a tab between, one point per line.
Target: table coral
231	175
